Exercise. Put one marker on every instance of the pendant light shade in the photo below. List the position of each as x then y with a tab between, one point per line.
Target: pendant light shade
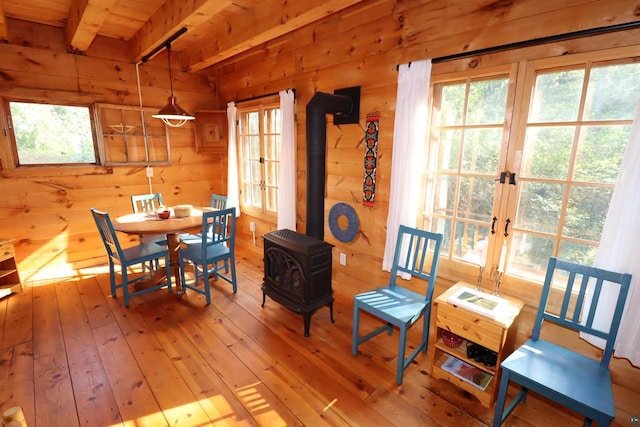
172	114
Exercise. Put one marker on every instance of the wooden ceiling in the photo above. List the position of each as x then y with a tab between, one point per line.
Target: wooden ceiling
216	29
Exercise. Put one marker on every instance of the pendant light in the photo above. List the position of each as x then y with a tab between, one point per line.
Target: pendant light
172	114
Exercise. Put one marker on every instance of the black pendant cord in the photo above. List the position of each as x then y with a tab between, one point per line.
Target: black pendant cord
169	60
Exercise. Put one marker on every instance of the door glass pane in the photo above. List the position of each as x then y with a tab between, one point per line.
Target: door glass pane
605	100
557	96
444	194
579	252
475	199
529	255
600	152
452	106
547	152
481	151
449	149
586	211
539	206
487	101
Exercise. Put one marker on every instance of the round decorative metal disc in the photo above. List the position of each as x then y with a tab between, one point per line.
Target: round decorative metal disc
343	234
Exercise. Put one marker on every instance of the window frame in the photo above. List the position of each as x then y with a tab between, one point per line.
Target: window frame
526	69
12	148
261	106
102	135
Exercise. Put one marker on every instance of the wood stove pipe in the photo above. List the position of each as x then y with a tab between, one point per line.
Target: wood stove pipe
318	107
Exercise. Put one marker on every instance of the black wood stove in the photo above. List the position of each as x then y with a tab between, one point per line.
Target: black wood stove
297	267
297	273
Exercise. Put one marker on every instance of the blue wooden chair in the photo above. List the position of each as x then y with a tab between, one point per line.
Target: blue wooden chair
218	202
416	250
146	202
215	247
129	257
571	379
149	203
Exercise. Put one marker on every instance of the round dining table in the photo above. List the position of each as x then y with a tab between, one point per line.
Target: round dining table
149	223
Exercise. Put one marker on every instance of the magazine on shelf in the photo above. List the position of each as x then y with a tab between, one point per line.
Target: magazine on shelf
475	376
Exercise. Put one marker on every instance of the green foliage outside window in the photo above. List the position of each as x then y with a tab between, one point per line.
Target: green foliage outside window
52	134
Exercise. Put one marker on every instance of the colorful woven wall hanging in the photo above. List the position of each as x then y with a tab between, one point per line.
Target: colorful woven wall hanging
370	158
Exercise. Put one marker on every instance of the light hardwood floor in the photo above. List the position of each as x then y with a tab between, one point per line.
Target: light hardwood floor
72	355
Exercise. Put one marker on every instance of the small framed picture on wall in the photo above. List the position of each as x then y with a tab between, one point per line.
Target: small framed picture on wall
211	130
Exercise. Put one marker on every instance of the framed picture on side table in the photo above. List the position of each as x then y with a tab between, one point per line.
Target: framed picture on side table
211	130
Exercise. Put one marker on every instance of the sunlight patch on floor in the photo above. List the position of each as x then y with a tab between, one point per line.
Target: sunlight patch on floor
259	406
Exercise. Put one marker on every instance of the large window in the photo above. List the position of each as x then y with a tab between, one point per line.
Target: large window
259	148
529	160
49	134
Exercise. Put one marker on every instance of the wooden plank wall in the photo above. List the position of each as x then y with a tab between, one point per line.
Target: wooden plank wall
363	49
47	211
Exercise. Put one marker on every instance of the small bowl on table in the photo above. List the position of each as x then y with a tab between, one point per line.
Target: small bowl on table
164	214
182	211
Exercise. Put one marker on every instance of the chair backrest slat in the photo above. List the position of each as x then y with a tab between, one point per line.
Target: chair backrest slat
579	305
146	202
416	250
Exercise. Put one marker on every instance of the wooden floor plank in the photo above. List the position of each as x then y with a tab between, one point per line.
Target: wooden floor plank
52	390
17	387
136	402
73	355
94	399
18	325
178	403
220	403
263	404
47	330
95	402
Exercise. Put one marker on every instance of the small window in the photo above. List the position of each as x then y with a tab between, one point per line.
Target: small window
259	148
51	134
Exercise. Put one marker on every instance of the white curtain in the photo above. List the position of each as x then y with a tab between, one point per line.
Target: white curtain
409	133
619	248
233	190
287	167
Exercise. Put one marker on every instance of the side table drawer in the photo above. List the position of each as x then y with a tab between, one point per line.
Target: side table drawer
474	327
7	251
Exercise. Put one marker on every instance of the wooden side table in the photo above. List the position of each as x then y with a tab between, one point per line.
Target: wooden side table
9	277
495	331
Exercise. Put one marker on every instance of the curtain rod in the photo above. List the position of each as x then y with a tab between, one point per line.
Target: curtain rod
541	40
264	96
